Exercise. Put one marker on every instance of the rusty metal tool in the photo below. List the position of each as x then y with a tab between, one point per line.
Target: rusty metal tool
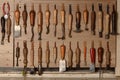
55	53
55	21
47	54
114	21
2	29
107	27
85	52
40	22
32	71
70	56
62	22
17	53
100	20
78	55
92	56
40	59
25	17
93	20
47	18
108	57
32	15
25	54
70	20
85	17
17	29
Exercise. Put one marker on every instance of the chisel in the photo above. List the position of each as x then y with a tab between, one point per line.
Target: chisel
107	27
55	21
70	56
24	17
2	29
85	17
40	22
93	20
70	20
108	57
100	20
17	53
55	53
17	28
85	52
47	18
32	20
92	56
25	54
40	59
114	21
47	54
62	22
78	55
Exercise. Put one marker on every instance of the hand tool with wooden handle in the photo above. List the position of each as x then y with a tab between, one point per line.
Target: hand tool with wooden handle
93	20
32	71
78	55
108	57
114	21
40	22
62	50
55	21
85	52
17	29
2	29
92	56
85	17
70	20
55	53
47	18
40	59
47	54
32	15
100	58
25	16
70	56
9	27
107	26
25	54
78	20
62	22
100	21
17	53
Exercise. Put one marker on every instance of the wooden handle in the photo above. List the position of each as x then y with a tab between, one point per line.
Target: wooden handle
47	15
108	55
40	16
70	18
9	27
32	54
63	50
55	15
25	53
17	50
78	17
17	15
92	53
85	50
55	52
40	54
24	16
62	14
47	53
85	15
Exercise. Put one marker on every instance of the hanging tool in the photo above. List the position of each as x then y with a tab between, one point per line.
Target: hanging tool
55	53
32	20
55	21
40	22
47	17
62	22
100	20
92	56
2	30
17	28
107	27
85	17
32	71
108	57
114	21
25	16
25	54
78	20
100	58
40	59
85	52
70	56
47	54
9	27
17	53
78	55
70	20
93	20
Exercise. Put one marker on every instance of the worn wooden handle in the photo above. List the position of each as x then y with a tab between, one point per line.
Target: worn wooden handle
24	16
25	53
100	21
85	50
78	54
47	15
9	27
85	16
108	55
62	15
55	15
40	54
107	26
70	55
32	54
17	15
62	49
47	53
55	52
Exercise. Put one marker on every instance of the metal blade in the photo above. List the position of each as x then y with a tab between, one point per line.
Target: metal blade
17	31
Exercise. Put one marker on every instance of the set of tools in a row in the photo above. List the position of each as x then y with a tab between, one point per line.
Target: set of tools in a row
93	53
